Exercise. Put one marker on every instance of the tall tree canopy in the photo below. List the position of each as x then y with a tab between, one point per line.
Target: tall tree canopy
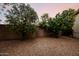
21	13
22	18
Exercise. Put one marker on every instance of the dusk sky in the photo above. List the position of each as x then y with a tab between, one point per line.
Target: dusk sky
51	8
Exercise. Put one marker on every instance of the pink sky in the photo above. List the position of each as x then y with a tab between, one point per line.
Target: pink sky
53	8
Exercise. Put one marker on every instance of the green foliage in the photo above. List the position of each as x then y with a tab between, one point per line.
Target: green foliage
62	22
45	17
22	18
44	22
68	18
67	21
54	25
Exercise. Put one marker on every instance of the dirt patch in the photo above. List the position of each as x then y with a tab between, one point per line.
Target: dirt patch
41	47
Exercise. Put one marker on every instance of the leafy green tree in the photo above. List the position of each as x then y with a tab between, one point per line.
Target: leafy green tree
68	21
54	25
21	18
44	23
61	23
45	17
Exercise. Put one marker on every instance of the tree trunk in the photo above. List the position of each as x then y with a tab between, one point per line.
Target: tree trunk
23	36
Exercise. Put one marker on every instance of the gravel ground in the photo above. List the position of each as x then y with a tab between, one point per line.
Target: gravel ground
44	46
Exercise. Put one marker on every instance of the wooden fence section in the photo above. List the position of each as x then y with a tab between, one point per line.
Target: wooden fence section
5	34
8	35
76	34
